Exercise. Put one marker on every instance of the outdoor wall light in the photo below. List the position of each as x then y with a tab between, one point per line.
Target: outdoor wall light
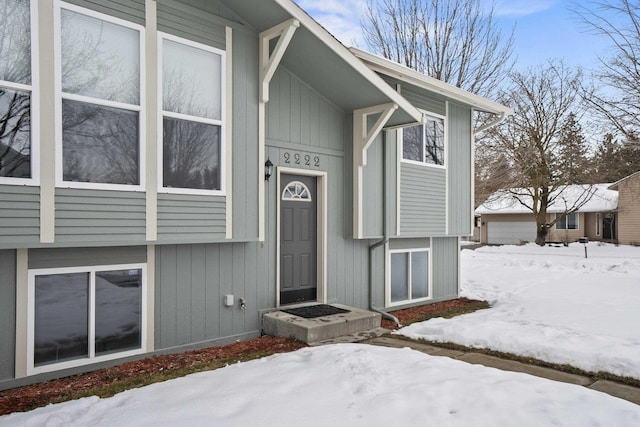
268	170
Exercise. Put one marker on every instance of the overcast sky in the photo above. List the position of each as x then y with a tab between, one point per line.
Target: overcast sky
544	28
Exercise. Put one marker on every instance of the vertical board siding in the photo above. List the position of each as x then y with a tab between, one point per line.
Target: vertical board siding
373	189
422	200
81	257
129	10
99	216
185	217
245	136
19	215
391	181
191	281
183	21
7	313
459	169
444	260
297	114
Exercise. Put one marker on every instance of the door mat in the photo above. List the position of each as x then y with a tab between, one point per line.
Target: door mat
313	311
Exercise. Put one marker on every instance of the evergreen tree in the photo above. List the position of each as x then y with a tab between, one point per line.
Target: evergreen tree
613	160
573	160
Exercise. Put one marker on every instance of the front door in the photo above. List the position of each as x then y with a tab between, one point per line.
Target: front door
298	239
609	227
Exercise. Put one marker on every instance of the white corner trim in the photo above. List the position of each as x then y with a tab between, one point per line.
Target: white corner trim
150	299
22	315
269	61
447	156
151	146
228	142
47	34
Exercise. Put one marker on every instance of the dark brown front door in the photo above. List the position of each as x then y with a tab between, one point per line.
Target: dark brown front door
298	239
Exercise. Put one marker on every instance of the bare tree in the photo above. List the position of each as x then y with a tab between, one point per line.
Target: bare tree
618	97
455	41
15	104
532	139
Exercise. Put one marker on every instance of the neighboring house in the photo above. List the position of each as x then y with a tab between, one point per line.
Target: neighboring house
628	213
150	221
504	220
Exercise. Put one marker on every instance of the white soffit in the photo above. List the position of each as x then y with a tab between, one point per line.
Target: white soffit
393	69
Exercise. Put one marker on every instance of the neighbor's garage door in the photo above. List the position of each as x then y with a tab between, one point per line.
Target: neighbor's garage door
510	232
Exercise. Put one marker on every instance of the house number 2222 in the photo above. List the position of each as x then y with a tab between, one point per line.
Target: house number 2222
301	159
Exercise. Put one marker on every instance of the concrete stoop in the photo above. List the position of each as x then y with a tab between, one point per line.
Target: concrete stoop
281	324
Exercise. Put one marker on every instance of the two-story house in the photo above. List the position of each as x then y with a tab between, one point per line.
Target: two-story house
170	170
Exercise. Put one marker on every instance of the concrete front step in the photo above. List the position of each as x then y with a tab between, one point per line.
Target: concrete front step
323	328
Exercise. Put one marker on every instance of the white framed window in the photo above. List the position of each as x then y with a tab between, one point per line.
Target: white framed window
425	144
18	94
409	276
100	100
569	222
192	116
82	315
296	191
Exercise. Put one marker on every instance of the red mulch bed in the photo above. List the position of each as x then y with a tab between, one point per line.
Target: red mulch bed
36	395
410	315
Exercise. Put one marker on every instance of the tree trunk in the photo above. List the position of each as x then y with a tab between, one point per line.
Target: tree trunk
541	234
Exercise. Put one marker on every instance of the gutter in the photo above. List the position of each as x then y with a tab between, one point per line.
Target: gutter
495	122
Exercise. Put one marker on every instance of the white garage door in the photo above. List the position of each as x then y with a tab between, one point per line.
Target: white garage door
510	232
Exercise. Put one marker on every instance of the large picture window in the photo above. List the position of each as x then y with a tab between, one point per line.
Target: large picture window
568	222
84	315
100	100
16	92
425	143
409	275
192	77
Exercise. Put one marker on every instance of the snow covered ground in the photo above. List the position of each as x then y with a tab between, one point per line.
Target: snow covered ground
552	304
549	303
345	385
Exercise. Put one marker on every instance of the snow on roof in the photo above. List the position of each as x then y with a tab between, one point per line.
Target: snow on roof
602	200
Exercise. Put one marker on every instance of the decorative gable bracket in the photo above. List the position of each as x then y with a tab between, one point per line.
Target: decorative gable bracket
269	61
363	137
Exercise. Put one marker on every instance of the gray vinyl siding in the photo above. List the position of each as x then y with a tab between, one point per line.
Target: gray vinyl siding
176	18
372	190
89	216
298	114
422	200
444	260
19	215
419	97
129	10
186	217
191	281
245	136
459	169
391	181
85	257
413	243
7	313
212	9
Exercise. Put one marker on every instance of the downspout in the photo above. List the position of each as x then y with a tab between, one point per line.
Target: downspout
384	241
